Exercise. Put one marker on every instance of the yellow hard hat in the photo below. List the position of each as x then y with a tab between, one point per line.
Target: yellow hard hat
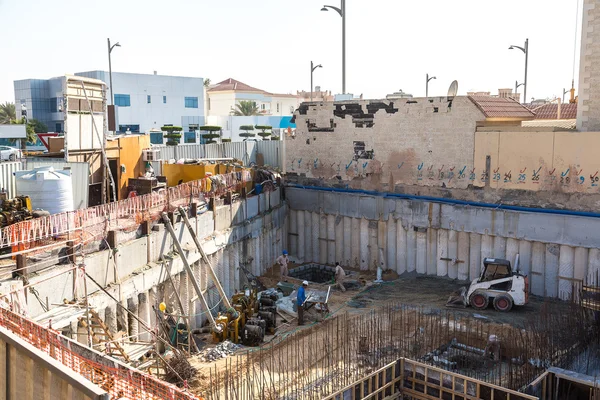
162	307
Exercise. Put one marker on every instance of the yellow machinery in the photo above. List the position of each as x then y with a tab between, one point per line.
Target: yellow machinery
15	210
245	303
227	326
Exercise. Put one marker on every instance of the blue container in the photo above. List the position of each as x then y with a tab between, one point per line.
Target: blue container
258	188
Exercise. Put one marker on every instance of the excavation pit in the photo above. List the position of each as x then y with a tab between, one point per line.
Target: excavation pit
315	273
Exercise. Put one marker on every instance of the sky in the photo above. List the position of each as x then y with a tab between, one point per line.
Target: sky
390	44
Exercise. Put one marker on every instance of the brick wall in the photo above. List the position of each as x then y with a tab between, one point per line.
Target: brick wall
411	141
588	111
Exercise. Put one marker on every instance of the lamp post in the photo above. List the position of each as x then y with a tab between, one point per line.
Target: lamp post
525	50
342	11
110	49
517	85
427	79
312	69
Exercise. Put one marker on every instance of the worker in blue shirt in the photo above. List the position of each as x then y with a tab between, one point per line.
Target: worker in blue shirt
300	299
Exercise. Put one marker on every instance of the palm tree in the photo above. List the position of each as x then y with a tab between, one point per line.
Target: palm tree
7	113
207	82
245	108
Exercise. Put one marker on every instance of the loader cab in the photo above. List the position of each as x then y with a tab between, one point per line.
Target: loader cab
494	269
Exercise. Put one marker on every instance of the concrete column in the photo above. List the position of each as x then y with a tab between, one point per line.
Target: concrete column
225	266
308	241
234	282
184	292
487	247
593	266
442	252
153	301
300	227
566	271
144	315
110	318
382	241
525	257
580	263
355	252
551	272
538	256
391	243
132	306
315	235
373	260
364	244
411	249
339	239
452	253
74	328
475	263
323	239
512	249
463	255
421	252
432	236
400	247
347	257
257	254
293	234
123	318
331	239
499	250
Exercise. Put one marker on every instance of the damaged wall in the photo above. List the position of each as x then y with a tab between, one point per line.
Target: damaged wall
362	231
381	143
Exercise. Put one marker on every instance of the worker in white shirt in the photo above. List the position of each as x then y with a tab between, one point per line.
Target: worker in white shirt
283	261
340	275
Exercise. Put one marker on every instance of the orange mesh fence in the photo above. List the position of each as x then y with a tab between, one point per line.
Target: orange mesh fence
93	223
115	378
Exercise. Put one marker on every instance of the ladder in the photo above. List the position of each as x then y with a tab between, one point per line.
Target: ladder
112	345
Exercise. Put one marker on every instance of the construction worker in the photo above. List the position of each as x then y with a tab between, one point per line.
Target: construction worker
283	261
492	349
300	300
340	275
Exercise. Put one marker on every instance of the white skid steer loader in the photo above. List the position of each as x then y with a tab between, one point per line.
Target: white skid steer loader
498	284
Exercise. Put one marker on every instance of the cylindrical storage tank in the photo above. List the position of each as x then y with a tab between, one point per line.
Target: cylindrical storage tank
48	189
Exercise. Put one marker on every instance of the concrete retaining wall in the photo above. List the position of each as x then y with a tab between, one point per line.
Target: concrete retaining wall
360	231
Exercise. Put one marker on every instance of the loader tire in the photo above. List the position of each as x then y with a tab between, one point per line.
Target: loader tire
479	300
503	302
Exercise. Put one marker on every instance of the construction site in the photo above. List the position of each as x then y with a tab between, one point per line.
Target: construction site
425	248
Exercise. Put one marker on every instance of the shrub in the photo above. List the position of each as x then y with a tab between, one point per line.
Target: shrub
263	130
226	140
173	134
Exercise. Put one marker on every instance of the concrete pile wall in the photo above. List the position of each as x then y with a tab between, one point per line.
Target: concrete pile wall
406	236
250	232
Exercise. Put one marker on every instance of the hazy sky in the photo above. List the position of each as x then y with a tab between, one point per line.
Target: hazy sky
391	44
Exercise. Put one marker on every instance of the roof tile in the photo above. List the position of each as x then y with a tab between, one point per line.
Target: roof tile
550	111
500	107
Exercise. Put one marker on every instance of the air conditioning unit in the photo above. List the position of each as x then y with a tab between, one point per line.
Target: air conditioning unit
151	155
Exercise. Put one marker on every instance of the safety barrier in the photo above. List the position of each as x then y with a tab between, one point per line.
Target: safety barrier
120	215
119	380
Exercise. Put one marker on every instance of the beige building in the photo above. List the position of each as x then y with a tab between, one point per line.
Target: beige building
317	95
502	93
588	112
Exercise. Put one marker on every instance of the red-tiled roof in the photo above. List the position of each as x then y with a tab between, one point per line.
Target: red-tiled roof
550	111
232	84
500	107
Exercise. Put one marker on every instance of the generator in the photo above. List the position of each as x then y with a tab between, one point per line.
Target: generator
227	326
17	210
254	332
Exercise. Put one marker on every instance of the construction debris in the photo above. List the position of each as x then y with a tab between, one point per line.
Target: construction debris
179	370
221	350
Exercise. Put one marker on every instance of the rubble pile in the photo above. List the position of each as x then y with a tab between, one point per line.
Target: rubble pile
221	350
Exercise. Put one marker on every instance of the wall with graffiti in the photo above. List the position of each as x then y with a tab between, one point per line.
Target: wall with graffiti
384	143
551	161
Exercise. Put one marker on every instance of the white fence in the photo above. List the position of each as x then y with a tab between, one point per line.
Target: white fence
245	151
7	177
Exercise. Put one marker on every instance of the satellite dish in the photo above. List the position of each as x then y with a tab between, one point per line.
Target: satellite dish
452	90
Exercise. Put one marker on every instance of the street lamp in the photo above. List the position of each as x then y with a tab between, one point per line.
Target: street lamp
517	85
525	50
110	49
342	11
427	79
312	69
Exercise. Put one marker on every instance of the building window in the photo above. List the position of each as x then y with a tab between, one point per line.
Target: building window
156	137
262	106
149	99
164	99
209	103
277	107
189	137
191	102
58	127
132	128
122	100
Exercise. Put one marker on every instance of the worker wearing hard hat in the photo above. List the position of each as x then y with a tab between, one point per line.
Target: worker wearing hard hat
300	300
340	275
283	261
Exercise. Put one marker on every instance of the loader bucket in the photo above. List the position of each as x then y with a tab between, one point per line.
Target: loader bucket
458	299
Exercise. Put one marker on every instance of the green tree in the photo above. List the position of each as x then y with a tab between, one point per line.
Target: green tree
247	128
31	134
263	130
207	83
246	108
173	134
212	133
38	126
7	113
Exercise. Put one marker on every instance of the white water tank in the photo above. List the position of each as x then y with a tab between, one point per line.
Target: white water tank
48	189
